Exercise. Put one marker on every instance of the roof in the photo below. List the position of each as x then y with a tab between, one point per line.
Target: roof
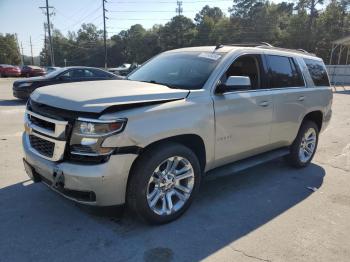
342	41
229	48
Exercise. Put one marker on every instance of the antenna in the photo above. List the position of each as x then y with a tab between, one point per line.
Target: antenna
179	8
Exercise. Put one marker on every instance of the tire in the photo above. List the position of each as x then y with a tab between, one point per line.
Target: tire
146	188
301	151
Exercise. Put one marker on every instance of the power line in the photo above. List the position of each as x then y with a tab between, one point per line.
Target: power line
168	2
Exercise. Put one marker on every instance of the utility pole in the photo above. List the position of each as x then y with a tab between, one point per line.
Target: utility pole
179	11
31	49
179	8
19	50
104	30
47	7
22	53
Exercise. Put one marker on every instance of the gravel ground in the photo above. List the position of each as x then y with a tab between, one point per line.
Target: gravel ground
266	213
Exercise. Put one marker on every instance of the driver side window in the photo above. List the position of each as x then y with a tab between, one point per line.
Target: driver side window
246	65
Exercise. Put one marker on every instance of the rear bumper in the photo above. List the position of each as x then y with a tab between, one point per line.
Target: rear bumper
106	182
326	120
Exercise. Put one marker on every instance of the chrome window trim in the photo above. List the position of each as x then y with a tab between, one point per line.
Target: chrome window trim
262	90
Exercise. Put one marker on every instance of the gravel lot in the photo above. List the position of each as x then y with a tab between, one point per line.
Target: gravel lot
266	213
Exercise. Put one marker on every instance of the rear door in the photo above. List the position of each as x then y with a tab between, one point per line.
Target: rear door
243	118
289	95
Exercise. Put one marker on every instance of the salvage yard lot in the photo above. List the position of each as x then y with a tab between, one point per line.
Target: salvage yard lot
266	213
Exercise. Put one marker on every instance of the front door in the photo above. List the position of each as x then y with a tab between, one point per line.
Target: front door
243	118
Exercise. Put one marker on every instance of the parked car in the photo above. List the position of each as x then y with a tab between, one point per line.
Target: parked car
9	70
30	71
23	88
124	69
188	113
50	69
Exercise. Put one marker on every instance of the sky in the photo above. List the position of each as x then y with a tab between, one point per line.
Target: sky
25	18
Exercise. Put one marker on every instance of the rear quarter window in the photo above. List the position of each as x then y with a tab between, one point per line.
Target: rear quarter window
317	71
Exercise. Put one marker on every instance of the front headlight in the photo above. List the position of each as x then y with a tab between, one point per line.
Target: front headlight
97	128
25	84
89	134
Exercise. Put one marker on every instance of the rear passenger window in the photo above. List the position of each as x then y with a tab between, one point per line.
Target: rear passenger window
283	72
317	71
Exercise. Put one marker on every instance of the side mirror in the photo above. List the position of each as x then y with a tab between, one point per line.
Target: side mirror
234	83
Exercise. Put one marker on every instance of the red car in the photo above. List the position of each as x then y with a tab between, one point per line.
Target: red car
30	70
9	70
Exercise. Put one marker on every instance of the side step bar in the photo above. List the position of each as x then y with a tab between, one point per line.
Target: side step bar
240	165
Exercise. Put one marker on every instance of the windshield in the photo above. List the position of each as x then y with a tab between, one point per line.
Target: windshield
185	70
55	72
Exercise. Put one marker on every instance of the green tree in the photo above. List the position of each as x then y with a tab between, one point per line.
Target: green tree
9	53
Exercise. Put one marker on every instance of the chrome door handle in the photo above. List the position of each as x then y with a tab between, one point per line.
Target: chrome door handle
264	103
301	98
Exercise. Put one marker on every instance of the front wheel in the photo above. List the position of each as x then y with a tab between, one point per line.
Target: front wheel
304	146
163	183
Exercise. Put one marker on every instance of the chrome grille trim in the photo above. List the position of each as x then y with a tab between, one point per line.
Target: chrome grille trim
46	134
58	150
60	126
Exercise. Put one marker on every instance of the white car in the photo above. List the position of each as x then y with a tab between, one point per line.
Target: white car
148	141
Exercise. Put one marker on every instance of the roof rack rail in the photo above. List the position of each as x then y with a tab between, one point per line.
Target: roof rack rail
251	44
303	50
266	45
287	49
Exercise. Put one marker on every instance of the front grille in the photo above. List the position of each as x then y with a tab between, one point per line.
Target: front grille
42	123
43	146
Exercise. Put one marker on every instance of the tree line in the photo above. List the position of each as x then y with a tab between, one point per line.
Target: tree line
287	24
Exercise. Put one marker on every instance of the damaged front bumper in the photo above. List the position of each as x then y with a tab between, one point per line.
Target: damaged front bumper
93	184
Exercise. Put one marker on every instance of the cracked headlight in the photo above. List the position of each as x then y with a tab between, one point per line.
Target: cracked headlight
97	128
89	134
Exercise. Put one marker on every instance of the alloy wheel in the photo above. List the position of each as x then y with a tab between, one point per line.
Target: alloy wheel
307	145
170	185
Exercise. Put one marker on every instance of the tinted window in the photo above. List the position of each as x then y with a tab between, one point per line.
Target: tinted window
318	72
77	73
283	72
186	70
100	73
247	65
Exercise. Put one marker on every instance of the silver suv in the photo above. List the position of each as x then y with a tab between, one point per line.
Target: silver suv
149	140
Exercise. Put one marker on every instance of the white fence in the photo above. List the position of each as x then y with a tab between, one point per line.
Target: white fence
339	74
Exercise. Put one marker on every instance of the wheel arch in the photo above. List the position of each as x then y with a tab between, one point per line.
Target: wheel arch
316	117
192	141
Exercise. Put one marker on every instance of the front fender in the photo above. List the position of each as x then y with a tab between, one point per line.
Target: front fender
150	124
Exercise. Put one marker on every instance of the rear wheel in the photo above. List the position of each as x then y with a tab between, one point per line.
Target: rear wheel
163	183
304	146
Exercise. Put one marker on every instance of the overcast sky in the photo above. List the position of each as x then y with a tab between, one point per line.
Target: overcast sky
25	18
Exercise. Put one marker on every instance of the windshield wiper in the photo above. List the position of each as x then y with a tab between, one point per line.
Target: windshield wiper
158	83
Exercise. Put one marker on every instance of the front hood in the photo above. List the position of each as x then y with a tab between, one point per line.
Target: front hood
96	96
